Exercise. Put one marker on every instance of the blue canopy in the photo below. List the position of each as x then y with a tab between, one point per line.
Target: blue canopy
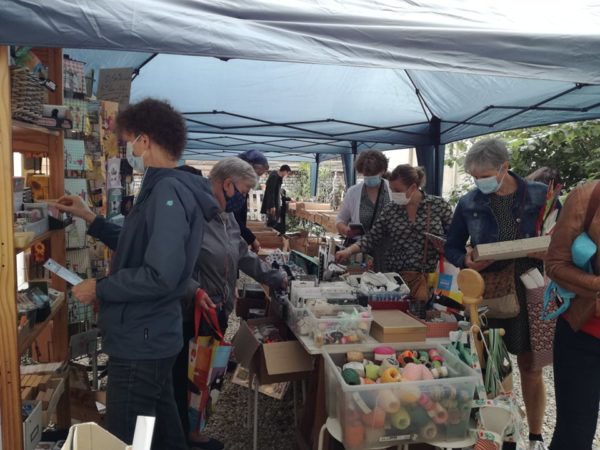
326	78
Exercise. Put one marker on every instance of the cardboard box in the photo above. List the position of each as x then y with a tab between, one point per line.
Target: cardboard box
90	436
274	362
244	306
397	326
54	390
32	426
520	248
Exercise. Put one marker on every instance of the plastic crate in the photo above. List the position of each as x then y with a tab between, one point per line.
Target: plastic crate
368	413
297	319
339	324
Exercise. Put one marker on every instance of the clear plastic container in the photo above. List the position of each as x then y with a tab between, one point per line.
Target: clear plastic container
339	324
297	319
390	414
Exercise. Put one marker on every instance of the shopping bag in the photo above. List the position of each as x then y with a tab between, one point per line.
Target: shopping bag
207	365
541	332
500	418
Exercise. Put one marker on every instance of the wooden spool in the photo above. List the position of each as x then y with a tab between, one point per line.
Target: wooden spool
472	286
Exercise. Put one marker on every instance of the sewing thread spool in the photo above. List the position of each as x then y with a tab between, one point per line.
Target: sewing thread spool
388	401
386	364
357	367
401	419
355	356
424	358
408	393
429	432
406	357
382	352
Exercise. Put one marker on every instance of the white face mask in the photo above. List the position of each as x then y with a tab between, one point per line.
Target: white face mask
400	198
137	162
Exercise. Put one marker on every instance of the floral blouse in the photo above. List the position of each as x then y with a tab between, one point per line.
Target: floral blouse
405	241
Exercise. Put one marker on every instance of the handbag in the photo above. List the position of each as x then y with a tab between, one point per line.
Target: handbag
207	365
556	299
417	281
500	295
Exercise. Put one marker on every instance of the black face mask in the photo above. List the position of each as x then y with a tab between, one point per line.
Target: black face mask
230	201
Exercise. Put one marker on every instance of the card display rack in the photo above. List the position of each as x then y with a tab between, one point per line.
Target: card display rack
30	140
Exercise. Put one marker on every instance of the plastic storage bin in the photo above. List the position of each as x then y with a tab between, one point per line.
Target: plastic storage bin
297	319
339	324
376	415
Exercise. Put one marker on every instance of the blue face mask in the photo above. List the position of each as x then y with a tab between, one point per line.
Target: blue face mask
137	162
232	202
489	185
372	181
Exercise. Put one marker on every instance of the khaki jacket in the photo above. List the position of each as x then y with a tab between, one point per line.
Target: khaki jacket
559	264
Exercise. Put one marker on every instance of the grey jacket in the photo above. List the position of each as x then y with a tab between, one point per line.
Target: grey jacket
223	253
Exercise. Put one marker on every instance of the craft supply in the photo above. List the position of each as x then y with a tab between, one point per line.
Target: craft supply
388	401
391	375
424	358
354	434
408	393
372	371
401	419
355	356
429	432
351	377
382	352
357	367
375	418
416	372
407	356
386	364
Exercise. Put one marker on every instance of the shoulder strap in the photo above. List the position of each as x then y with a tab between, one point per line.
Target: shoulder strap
376	204
428	223
593	205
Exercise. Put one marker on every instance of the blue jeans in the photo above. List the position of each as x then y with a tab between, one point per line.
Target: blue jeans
577	387
143	388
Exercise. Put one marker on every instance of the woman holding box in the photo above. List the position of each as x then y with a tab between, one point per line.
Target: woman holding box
504	207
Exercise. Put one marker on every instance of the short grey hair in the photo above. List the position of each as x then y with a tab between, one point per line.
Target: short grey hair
486	154
236	169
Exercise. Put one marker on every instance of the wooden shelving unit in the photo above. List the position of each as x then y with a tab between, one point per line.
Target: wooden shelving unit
28	337
41	238
31	140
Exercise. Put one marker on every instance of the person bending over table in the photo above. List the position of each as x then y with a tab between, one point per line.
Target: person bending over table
401	226
223	252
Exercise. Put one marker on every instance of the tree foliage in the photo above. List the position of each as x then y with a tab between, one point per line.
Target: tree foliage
572	148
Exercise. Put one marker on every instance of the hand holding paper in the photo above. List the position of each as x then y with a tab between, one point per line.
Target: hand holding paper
85	291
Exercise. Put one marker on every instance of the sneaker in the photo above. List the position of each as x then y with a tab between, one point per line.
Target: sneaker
537	445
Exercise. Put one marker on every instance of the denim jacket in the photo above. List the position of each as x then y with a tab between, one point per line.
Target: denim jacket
474	218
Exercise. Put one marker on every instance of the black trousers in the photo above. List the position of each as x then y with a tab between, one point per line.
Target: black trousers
180	368
577	387
143	388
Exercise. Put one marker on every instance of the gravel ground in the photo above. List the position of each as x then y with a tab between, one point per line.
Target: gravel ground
276	417
550	418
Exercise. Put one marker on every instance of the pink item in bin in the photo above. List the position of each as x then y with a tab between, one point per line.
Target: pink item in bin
383	352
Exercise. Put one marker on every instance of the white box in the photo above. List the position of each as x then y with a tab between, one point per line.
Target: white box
91	436
32	426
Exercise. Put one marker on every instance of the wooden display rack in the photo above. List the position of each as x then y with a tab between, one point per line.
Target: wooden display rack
30	140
